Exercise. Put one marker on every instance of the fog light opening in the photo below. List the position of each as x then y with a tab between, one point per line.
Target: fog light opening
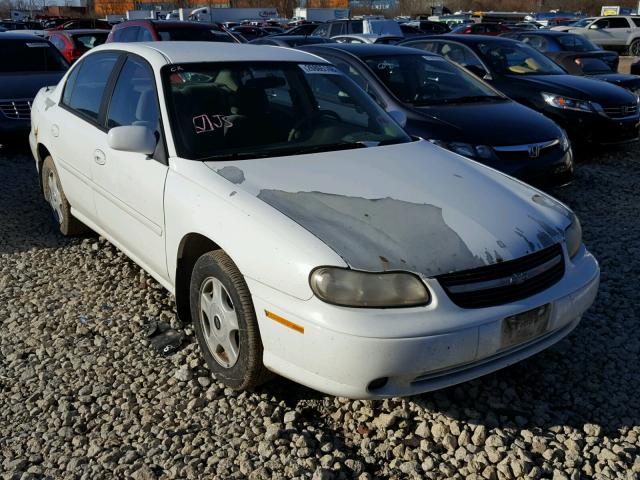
378	383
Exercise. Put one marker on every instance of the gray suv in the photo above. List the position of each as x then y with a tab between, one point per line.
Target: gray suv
613	32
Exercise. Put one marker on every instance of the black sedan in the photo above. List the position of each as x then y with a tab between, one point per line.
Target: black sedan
34	63
292	41
591	111
450	107
565	48
249	32
578	56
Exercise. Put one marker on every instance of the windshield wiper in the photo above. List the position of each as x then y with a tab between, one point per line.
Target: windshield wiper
285	151
475	98
329	147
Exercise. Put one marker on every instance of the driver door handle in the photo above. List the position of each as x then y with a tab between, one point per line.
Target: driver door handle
99	157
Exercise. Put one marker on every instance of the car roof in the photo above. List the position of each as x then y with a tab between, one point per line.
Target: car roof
370	49
466	39
162	53
545	33
10	35
79	31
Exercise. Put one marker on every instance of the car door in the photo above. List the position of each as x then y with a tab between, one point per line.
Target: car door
619	29
129	187
75	127
601	31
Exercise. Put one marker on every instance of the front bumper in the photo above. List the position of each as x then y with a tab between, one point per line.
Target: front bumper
555	168
599	129
14	130
415	350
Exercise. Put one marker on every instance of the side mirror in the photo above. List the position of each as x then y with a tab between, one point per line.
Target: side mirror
132	138
399	117
594	27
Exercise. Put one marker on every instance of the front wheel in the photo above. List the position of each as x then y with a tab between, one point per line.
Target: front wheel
634	48
225	322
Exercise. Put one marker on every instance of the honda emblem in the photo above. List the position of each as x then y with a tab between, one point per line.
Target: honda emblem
534	151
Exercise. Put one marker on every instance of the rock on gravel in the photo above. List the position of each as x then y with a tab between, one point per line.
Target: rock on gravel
83	395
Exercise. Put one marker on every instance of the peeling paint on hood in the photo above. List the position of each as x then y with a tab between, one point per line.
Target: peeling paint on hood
398	235
410	207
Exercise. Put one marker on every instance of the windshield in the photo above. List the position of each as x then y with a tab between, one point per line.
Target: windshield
576	43
581	23
194	35
517	59
428	80
30	56
223	111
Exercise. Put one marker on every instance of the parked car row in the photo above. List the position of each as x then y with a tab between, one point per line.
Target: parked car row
301	229
476	117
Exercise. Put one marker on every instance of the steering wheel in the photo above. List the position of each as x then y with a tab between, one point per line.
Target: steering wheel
428	90
319	114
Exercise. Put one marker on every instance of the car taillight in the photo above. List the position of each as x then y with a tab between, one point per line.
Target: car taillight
75	54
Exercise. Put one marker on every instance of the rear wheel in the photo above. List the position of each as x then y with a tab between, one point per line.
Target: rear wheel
225	322
634	48
53	193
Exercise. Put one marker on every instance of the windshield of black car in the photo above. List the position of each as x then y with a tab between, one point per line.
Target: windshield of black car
427	80
576	43
259	109
517	59
30	56
194	35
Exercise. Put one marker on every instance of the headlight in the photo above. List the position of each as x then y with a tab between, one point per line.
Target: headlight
352	288
573	237
466	149
560	101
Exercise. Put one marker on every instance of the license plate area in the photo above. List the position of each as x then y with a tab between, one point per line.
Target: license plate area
525	326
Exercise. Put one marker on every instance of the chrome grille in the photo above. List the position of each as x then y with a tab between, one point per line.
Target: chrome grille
16	109
530	150
621	111
506	281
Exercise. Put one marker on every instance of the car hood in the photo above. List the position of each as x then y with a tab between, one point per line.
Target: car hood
26	85
493	123
577	87
620	79
413	206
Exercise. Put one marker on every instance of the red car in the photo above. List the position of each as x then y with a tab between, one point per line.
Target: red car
163	30
492	29
73	43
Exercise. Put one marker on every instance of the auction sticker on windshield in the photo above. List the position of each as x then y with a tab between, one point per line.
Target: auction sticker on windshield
525	326
319	68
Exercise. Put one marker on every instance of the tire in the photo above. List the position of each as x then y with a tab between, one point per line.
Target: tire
225	322
634	48
54	195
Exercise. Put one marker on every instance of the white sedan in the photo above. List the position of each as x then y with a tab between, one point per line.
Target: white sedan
301	230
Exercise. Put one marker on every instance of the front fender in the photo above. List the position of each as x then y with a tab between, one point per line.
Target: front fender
266	246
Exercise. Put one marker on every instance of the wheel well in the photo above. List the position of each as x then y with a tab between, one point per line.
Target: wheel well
42	154
192	247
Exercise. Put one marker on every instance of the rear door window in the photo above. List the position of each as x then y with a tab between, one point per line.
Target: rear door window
89	86
618	22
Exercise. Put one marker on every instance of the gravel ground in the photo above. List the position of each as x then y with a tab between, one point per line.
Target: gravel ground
83	395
